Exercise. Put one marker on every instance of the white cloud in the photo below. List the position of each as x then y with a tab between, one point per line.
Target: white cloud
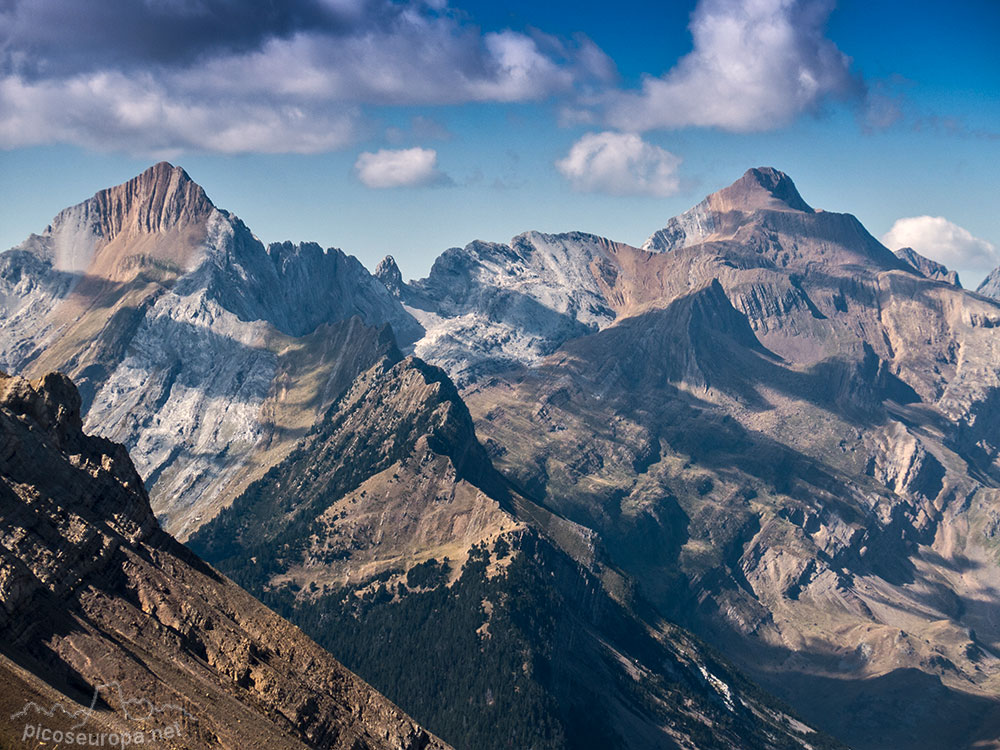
620	163
388	168
939	239
755	65
300	76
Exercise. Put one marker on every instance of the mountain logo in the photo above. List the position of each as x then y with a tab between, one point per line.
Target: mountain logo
155	722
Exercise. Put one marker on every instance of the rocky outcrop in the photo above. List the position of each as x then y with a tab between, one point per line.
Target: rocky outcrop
929	268
103	613
990	286
104	505
389	274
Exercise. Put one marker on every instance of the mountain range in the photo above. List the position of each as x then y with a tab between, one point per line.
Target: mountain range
565	477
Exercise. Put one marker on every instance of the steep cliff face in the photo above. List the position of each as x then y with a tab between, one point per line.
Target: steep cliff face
105	615
201	350
488	307
389	536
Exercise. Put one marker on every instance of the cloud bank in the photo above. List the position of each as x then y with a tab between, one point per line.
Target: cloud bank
620	164
253	75
160	77
939	239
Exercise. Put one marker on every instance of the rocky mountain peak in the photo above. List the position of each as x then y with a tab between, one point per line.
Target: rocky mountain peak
760	188
161	214
161	198
719	215
990	286
389	274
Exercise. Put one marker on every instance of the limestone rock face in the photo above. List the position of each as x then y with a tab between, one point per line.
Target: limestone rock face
488	307
95	600
201	350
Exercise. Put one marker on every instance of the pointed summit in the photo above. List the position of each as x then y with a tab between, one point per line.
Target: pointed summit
389	274
160	216
159	199
760	188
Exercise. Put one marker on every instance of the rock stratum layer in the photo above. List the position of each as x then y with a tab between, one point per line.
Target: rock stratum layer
108	625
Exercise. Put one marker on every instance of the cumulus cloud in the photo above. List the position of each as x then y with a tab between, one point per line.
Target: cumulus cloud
408	167
939	239
621	164
254	75
755	65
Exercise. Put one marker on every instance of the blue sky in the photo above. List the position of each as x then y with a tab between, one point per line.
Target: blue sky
406	128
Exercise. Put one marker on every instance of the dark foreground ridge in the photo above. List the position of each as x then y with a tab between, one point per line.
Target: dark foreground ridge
108	625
